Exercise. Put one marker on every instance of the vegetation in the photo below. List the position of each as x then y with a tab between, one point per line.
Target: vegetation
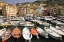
52	2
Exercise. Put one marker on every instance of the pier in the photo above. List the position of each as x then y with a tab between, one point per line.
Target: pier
5	24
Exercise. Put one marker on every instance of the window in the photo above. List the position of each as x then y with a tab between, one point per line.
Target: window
54	10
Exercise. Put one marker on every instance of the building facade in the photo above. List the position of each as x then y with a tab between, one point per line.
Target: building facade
9	10
27	9
2	4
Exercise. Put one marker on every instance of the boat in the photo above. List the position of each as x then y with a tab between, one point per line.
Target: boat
26	24
42	32
14	23
15	19
56	30
34	20
2	31
6	35
43	23
57	22
61	27
49	18
34	32
53	34
62	20
16	33
29	24
26	34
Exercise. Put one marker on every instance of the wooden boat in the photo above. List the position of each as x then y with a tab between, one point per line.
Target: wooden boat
16	33
6	35
26	34
34	32
42	32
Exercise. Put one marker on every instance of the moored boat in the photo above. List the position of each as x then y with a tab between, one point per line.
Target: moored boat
34	32
6	35
53	34
56	30
42	32
16	33
2	31
26	34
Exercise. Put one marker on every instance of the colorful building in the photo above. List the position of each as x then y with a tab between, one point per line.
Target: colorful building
9	10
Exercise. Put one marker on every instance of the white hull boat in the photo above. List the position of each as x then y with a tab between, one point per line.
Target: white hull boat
2	31
57	22
57	30
49	18
53	34
42	32
6	35
14	23
26	24
26	34
44	23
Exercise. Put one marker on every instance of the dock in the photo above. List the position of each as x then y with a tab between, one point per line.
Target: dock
5	24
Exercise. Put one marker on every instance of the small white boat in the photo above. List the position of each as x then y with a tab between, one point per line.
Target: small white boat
57	30
26	24
48	18
29	24
43	23
6	35
34	20
58	27
14	23
53	34
42	32
26	34
2	31
57	22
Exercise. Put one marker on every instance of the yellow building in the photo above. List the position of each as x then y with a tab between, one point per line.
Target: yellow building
2	4
9	10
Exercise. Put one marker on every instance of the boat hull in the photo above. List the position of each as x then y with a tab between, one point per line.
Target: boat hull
16	33
26	37
6	35
46	36
26	34
34	32
57	38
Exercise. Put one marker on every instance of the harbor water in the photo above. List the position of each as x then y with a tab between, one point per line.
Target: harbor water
34	39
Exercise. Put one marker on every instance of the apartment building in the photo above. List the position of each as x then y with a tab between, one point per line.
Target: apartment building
2	4
9	10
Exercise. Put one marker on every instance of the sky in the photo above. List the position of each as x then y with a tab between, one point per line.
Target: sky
18	1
